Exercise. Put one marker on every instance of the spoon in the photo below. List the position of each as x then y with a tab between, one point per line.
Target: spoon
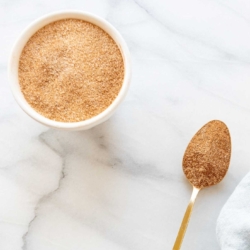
205	163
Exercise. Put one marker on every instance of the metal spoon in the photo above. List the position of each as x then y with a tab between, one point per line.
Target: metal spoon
205	163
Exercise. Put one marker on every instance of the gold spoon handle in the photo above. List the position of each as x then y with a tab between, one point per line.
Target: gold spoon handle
184	224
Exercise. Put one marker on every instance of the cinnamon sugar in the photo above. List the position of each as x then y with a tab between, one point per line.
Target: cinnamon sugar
207	156
70	70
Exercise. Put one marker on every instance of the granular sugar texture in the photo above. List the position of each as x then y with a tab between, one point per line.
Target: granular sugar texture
207	156
70	70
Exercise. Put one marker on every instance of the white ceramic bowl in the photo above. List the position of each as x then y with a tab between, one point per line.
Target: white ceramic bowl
38	24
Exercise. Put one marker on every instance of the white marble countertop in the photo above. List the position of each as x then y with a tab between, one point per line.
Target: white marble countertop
120	186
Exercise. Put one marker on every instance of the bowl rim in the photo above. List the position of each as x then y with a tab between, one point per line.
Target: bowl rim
25	36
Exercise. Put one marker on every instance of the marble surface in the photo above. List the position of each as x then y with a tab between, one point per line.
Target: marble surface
120	185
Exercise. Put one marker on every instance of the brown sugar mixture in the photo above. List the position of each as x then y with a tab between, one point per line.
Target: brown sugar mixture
207	156
70	70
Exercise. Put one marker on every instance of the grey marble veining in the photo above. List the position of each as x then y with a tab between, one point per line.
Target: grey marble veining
120	185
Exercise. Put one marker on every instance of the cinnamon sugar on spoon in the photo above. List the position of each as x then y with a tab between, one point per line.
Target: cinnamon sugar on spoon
207	157
70	70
